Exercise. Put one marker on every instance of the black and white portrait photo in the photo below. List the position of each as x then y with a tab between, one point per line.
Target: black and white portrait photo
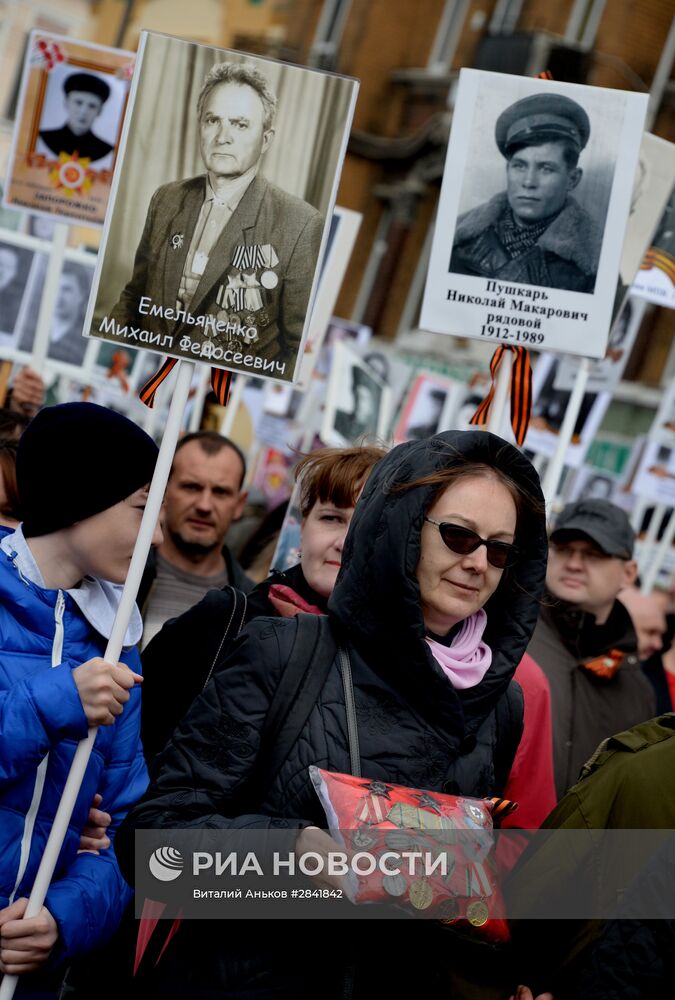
535	231
605	374
423	410
593	484
533	209
343	230
15	266
357	406
654	280
66	341
549	406
216	235
655	477
69	121
653	183
663	427
81	115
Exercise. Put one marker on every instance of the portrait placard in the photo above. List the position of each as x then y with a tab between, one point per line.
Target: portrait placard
591	483
663	428
342	235
68	126
358	403
18	270
66	343
655	280
548	411
654	180
604	375
532	214
655	477
212	240
427	407
287	552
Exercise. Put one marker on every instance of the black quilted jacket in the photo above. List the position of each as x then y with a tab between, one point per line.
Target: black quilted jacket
414	728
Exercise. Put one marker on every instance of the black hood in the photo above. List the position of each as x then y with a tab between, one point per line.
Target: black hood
377	599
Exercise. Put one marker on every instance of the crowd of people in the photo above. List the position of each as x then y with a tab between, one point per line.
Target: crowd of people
488	655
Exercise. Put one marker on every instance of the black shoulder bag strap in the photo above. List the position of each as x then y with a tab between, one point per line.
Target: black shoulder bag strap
312	655
233	627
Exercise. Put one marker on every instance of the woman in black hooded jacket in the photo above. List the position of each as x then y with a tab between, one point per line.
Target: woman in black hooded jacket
419	724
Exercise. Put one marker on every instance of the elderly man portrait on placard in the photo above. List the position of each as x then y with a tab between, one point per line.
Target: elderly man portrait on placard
535	232
228	243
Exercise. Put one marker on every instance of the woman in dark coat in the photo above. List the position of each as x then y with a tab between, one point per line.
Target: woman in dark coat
331	481
435	708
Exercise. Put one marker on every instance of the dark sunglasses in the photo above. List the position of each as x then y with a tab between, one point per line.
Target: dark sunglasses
463	541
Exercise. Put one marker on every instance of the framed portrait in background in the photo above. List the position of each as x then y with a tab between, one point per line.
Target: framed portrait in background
68	127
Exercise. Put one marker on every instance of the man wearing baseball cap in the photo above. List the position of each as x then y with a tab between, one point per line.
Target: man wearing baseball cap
585	641
534	232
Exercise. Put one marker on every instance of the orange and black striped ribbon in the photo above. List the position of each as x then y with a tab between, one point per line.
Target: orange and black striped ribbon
661	259
521	391
501	808
220	383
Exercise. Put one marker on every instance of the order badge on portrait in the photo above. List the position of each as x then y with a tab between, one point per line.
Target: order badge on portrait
214	235
68	126
533	209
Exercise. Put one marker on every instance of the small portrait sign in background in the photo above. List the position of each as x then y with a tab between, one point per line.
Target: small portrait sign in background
68	127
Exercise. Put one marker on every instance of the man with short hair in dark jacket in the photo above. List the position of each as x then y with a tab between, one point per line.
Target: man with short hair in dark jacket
204	496
585	641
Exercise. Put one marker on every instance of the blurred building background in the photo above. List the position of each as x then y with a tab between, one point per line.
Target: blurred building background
407	55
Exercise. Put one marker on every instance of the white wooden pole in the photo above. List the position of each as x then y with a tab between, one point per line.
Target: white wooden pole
647	545
49	295
639	511
113	649
652	571
203	383
555	466
233	405
501	396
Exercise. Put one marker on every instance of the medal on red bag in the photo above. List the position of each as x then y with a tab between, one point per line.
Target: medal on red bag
448	909
420	894
394	885
362	840
477	913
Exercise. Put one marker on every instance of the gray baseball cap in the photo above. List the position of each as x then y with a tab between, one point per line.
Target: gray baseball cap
601	521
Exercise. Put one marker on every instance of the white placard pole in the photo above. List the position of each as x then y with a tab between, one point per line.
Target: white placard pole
50	293
501	396
639	511
649	539
232	406
652	571
555	466
113	648
203	383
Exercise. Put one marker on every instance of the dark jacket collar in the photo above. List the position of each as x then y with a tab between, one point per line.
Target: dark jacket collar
572	235
582	636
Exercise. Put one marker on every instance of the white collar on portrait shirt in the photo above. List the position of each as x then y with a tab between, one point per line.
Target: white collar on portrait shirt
59	330
234	190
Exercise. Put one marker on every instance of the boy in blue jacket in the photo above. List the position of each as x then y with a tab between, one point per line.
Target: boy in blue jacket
82	473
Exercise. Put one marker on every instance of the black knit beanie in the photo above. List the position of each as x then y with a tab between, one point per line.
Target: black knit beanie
76	460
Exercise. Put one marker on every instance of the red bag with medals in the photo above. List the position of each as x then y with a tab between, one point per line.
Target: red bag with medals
433	852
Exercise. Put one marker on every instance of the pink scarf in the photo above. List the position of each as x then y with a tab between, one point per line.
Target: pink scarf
467	660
